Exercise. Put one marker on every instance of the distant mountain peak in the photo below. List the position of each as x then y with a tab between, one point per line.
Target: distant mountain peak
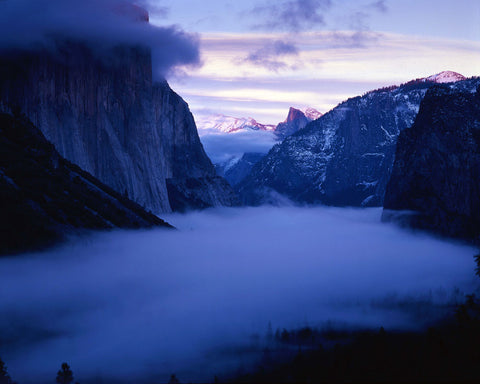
310	113
446	77
229	124
294	114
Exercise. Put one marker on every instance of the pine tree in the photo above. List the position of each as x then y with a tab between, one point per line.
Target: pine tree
4	376
65	375
173	380
477	260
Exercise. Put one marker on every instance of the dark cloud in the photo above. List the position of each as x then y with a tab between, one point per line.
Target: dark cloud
269	55
28	24
355	39
380	5
359	23
293	15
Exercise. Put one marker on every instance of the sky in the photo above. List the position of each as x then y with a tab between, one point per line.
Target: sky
259	57
256	58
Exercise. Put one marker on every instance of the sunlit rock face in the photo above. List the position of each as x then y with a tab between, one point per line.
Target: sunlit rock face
295	121
436	175
102	111
346	156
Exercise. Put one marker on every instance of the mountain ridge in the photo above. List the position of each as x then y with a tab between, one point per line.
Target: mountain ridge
343	158
229	124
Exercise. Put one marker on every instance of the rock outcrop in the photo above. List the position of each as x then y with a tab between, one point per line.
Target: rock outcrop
346	156
436	175
296	120
45	197
104	112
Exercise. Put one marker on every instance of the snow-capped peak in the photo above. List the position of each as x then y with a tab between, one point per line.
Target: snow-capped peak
446	77
228	124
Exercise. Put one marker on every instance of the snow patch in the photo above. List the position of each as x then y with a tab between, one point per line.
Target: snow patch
446	77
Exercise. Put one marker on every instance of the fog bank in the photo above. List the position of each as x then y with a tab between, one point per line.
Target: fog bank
144	305
221	147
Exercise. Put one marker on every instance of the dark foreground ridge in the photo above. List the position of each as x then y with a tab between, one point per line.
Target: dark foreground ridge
446	353
45	197
436	174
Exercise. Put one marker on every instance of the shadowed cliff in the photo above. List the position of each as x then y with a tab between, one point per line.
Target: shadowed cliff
45	198
436	175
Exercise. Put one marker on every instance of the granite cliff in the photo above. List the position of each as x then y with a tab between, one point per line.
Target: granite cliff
103	112
295	121
436	174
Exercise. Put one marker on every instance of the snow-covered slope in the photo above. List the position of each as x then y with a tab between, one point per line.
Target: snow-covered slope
228	124
311	113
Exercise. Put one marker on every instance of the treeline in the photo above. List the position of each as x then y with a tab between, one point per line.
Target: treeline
448	352
64	375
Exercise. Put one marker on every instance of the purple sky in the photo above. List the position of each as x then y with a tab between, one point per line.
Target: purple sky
260	57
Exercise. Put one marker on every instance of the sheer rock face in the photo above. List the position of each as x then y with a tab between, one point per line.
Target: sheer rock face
103	112
436	175
45	197
295	121
343	158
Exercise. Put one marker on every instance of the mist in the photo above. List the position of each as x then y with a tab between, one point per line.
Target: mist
142	305
221	147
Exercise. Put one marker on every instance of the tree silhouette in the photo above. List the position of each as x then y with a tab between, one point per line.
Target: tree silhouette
173	380
65	375
4	376
477	260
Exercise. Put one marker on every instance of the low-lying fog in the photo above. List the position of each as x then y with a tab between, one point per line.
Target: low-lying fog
147	304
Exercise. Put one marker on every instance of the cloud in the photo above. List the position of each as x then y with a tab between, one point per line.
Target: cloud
380	6
137	306
30	24
293	15
268	56
354	39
